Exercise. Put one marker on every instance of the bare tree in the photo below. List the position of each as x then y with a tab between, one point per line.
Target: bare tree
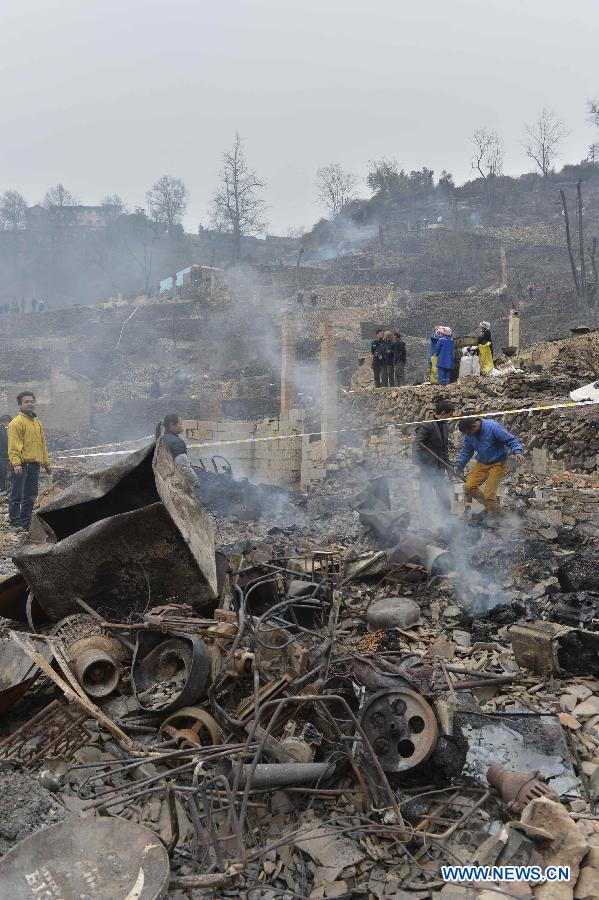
167	201
543	138
59	202
488	153
592	251
114	200
139	235
58	196
585	291
593	112
236	207
12	210
335	187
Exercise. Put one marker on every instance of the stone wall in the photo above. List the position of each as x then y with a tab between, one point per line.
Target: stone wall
571	437
256	453
64	403
136	418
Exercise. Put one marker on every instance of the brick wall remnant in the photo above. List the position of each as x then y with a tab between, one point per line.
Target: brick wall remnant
328	389
287	364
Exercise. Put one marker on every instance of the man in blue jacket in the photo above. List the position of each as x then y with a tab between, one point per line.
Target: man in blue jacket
491	442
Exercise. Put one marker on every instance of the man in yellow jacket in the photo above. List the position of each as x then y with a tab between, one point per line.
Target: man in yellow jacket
27	451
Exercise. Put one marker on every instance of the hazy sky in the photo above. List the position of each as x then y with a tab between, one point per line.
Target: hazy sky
107	95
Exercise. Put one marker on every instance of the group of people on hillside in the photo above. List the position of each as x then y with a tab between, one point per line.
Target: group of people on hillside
388	351
442	356
530	289
16	306
388	359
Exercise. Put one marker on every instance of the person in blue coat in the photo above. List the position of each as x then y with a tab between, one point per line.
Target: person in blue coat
445	351
491	443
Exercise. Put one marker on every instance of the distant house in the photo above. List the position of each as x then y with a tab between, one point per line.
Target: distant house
194	274
40	217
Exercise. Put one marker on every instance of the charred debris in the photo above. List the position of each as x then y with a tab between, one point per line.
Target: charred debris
217	694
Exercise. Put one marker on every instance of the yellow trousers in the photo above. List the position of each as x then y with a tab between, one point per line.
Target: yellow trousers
490	475
485	358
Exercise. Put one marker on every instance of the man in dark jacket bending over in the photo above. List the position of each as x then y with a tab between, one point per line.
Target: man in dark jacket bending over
431	454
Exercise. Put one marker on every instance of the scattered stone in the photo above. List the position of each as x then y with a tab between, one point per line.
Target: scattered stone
569	721
588	880
443	648
588	707
328	850
567	848
461	638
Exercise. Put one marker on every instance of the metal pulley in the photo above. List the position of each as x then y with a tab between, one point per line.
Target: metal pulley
94	655
401	727
191	727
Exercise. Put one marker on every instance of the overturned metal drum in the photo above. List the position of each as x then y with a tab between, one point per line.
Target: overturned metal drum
105	859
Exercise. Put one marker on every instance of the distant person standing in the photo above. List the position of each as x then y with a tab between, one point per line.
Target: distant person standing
400	358
531	291
547	288
388	351
27	451
445	352
378	357
4	420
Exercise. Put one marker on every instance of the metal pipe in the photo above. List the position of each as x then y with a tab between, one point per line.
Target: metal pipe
436	560
276	775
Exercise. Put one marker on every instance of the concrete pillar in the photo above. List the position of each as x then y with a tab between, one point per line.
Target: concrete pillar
328	389
287	364
513	330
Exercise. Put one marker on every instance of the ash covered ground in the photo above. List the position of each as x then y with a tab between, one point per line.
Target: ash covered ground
332	609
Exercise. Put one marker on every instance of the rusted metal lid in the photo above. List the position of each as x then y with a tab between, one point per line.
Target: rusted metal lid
104	858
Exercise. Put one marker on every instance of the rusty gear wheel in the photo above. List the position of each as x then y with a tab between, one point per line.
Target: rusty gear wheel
401	727
191	727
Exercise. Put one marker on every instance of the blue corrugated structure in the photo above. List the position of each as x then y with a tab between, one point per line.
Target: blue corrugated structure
180	275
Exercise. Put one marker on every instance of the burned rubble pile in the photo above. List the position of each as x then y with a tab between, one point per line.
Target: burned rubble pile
331	700
369	416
